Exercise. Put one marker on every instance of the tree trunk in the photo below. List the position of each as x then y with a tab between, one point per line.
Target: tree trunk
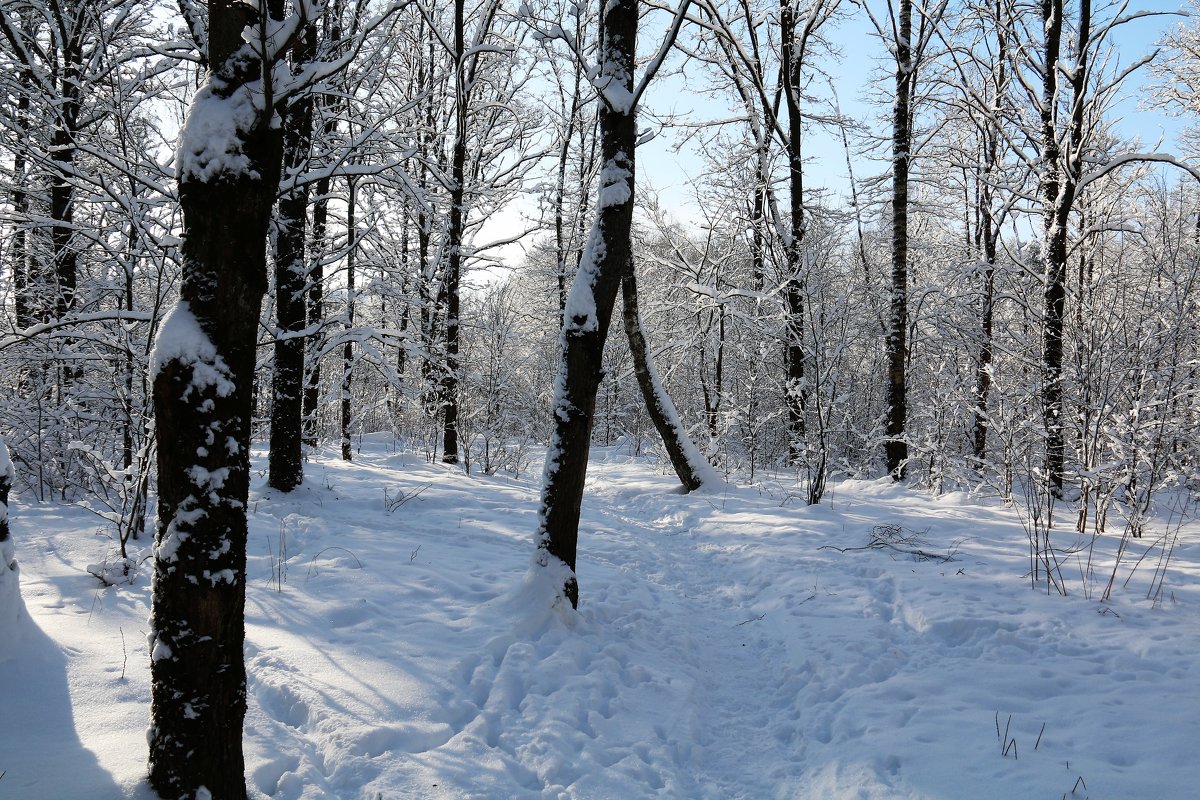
348	348
896	447
203	370
285	457
983	370
18	250
689	465
315	300
6	481
988	235
590	303
795	390
315	310
458	160
1058	185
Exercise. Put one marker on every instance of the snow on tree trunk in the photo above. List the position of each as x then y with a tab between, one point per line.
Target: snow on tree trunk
10	584
590	303
228	165
691	467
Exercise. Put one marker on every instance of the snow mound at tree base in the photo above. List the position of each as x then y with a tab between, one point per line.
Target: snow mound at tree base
11	606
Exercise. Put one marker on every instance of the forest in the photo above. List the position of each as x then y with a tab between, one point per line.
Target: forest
245	246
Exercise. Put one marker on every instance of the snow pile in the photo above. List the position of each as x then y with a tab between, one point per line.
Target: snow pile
11	606
724	648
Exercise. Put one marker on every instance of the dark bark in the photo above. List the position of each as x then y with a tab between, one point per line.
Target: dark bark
987	233
347	415
560	235
62	191
1060	174
1055	247
658	404
794	386
285	468
5	488
18	250
315	310
584	330
458	160
983	370
315	300
896	447
197	629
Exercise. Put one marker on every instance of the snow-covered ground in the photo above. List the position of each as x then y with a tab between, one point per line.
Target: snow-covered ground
719	651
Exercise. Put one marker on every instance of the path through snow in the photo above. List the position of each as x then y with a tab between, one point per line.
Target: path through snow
719	652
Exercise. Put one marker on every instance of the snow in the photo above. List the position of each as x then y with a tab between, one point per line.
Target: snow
180	338
11	607
719	650
7	470
210	143
580	311
615	183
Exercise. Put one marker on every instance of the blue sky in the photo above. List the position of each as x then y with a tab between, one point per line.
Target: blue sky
671	173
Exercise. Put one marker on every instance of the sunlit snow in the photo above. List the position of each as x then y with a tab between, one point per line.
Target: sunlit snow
722	649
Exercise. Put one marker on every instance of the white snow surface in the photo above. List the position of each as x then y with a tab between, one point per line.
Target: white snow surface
718	652
210	143
6	465
180	338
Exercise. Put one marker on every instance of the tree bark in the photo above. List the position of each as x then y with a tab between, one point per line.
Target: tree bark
896	447
685	459
285	469
795	390
6	479
19	251
315	299
1059	181
203	374
458	160
590	304
315	312
347	415
988	234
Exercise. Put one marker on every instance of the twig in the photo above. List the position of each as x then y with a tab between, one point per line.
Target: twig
752	619
327	549
391	503
124	652
893	537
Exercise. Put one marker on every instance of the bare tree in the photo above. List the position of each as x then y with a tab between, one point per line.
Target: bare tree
909	56
607	260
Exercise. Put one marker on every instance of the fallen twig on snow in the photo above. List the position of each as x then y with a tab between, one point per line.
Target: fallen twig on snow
896	539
